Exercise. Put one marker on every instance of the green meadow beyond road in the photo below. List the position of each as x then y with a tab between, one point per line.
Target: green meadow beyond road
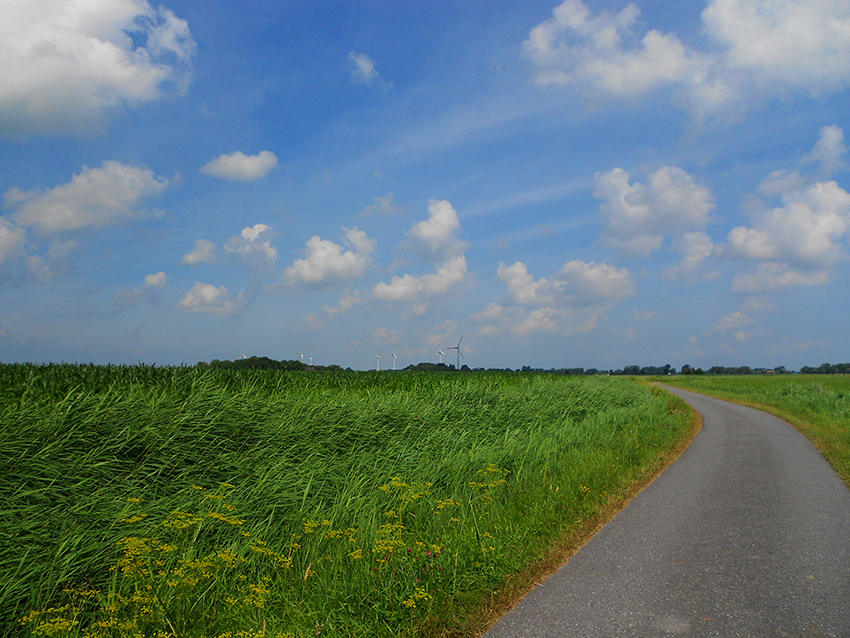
746	534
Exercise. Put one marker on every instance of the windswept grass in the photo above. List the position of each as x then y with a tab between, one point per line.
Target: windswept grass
817	405
186	502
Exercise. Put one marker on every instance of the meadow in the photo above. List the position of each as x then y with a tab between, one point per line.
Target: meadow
156	502
818	405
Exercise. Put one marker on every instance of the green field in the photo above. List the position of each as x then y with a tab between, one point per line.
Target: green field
818	405
189	502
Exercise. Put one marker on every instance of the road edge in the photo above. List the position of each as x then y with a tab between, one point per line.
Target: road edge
562	550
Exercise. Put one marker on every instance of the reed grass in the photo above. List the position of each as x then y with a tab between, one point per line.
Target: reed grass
192	502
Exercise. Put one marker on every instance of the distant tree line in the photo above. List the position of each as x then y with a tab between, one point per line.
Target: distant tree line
827	368
427	366
265	363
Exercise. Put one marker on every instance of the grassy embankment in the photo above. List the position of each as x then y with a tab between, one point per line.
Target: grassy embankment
817	405
181	502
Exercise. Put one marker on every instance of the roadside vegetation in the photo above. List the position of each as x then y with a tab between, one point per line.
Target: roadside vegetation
817	405
195	501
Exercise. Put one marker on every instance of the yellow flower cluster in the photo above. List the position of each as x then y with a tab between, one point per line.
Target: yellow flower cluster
224	518
389	537
182	520
407	492
441	505
490	481
280	560
418	595
51	621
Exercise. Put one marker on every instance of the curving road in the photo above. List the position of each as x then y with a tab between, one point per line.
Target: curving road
746	534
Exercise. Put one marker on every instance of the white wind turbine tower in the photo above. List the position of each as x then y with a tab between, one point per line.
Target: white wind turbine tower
395	358
310	357
459	353
301	354
378	361
243	355
440	352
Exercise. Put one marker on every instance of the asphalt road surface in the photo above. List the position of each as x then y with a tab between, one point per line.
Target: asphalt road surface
746	534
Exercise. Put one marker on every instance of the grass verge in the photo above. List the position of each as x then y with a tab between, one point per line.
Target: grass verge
563	548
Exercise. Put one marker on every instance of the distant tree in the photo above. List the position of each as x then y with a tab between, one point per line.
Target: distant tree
427	366
827	368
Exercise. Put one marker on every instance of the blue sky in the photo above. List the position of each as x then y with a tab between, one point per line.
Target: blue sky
592	184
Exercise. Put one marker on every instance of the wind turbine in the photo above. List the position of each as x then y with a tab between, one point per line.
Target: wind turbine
377	361
440	352
393	355
243	355
310	357
302	353
459	353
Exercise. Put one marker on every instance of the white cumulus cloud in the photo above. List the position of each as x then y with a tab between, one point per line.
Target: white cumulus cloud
156	280
539	319
637	216
829	151
238	167
52	263
436	238
584	284
362	67
522	287
756	50
802	44
695	249
596	53
96	197
411	287
776	276
796	242
204	252
64	63
209	298
12	240
808	229
577	297
327	262
152	283
253	246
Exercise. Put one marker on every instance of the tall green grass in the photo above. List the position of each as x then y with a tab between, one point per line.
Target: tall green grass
818	405
296	504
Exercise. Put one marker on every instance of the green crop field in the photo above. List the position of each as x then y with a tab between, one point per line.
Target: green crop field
142	501
818	405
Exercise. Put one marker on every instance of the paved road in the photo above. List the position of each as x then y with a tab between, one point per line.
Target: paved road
747	534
